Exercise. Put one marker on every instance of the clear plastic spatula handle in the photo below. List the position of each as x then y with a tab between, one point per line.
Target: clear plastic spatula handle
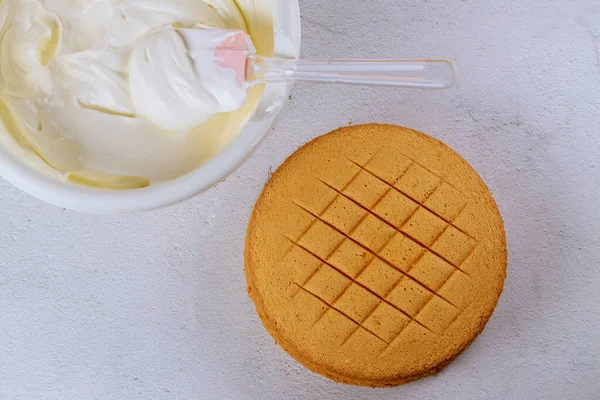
424	74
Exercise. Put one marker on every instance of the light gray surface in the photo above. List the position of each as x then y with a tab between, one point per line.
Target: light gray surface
154	305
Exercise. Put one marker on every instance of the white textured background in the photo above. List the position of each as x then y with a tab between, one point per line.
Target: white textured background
153	306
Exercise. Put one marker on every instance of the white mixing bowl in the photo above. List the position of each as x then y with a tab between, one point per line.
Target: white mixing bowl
50	189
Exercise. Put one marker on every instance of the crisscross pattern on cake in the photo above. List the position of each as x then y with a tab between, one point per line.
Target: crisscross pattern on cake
383	249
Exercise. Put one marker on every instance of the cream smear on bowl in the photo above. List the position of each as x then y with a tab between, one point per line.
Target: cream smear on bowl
78	86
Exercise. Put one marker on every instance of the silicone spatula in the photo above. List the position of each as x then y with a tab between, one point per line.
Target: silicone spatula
236	51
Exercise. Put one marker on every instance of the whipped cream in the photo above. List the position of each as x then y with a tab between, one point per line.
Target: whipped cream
117	94
177	82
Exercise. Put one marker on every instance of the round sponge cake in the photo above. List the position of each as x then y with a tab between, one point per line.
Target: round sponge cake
375	255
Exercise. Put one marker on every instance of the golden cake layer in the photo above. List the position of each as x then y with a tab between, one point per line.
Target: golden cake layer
375	255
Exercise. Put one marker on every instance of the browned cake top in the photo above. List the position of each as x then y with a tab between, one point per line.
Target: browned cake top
375	255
